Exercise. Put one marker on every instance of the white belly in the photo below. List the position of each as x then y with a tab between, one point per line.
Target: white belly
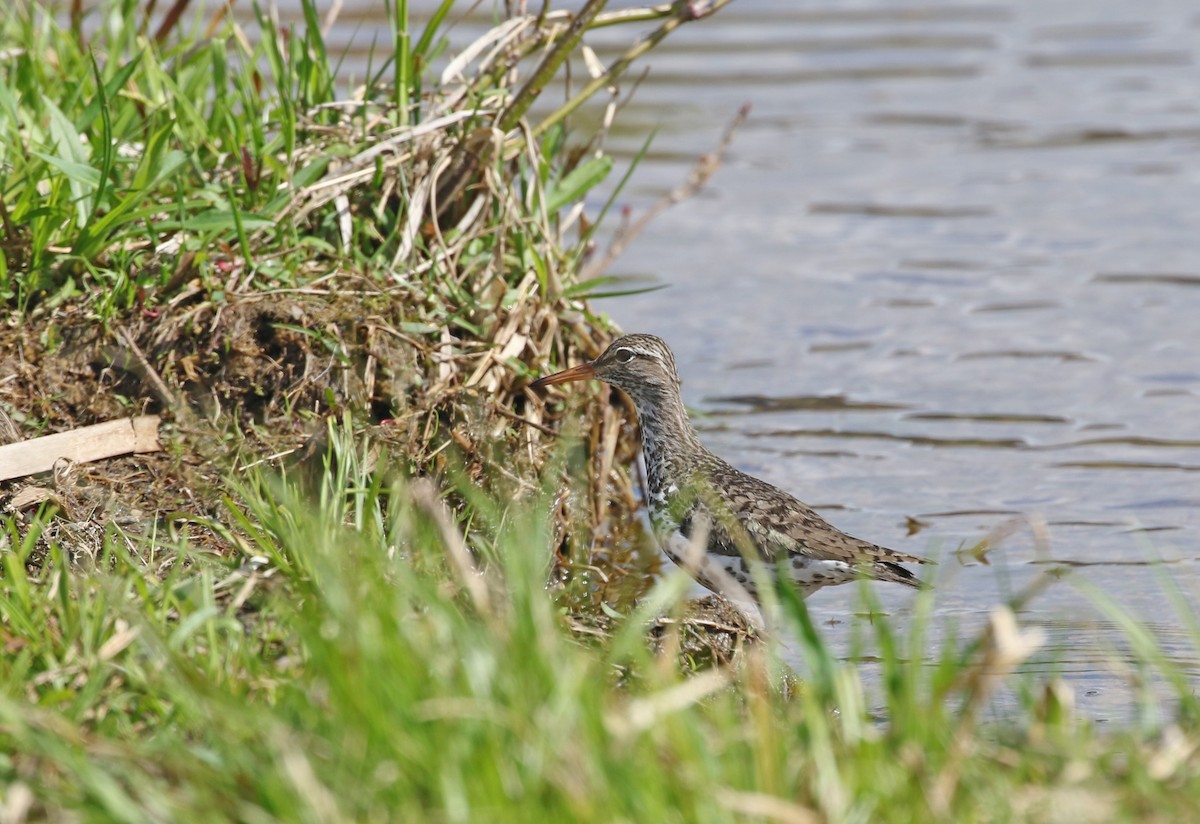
726	574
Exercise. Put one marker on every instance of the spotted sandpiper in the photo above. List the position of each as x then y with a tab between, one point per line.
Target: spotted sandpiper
723	526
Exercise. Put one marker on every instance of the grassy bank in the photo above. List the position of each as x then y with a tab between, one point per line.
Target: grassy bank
216	226
350	588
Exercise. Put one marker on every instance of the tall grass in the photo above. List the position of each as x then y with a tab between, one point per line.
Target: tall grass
120	156
363	659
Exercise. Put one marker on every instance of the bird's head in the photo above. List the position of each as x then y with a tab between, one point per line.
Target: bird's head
635	363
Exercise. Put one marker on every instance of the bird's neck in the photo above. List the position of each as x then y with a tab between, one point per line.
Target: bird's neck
669	443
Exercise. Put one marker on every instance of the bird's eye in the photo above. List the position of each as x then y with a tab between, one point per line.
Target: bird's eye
624	355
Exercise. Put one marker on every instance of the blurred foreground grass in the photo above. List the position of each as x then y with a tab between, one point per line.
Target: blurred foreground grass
362	659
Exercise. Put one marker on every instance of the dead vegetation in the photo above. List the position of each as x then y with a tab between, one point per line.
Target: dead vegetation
254	380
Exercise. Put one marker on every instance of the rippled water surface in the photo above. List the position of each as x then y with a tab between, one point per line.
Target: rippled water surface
948	277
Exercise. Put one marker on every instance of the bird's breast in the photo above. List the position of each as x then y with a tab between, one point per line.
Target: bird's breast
662	516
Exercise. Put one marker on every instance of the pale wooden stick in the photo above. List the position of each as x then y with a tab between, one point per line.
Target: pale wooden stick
90	443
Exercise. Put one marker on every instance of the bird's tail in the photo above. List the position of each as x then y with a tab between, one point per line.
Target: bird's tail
896	574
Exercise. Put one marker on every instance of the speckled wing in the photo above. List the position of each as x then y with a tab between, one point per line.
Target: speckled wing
778	525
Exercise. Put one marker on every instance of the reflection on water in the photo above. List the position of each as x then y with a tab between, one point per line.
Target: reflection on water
954	242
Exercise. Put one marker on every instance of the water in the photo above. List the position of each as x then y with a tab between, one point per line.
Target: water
948	273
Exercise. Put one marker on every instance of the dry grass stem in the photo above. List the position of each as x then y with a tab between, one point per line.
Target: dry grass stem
706	166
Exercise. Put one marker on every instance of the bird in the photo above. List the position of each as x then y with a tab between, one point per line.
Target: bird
731	531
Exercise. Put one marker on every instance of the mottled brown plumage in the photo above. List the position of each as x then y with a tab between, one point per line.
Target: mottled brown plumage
695	496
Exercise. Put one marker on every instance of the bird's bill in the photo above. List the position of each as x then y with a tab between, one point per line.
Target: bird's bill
582	372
